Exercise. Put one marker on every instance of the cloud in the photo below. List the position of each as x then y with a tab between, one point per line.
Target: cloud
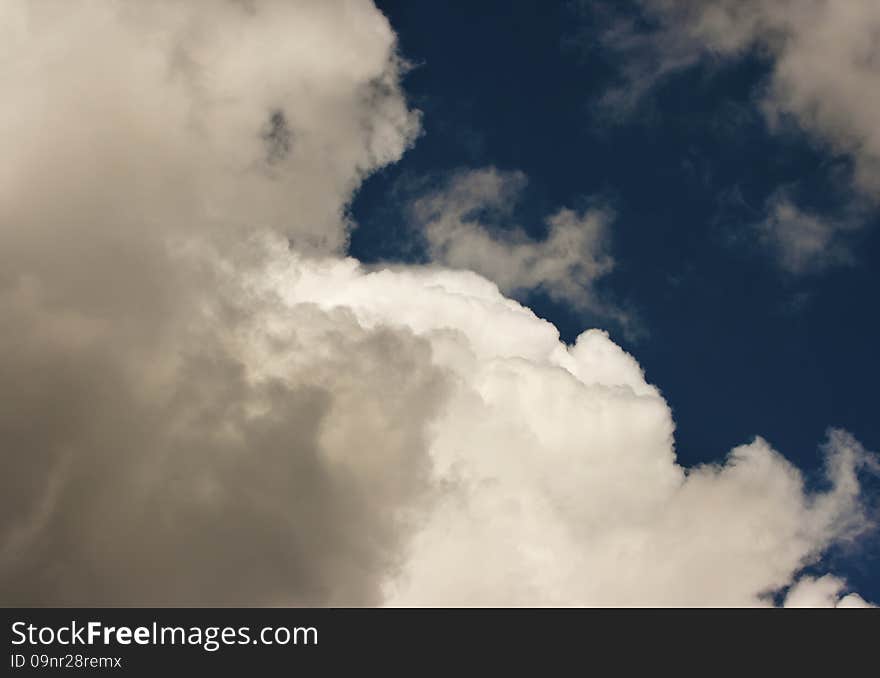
822	592
826	65
173	473
824	74
148	460
203	115
564	264
803	241
198	412
559	469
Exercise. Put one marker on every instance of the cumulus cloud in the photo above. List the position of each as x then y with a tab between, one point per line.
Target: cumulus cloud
199	114
564	264
176	473
559	469
148	460
207	403
822	592
825	75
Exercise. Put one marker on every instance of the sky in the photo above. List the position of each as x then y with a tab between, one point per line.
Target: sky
521	303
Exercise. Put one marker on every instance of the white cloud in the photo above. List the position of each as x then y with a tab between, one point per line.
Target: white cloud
564	264
203	415
562	486
822	592
825	74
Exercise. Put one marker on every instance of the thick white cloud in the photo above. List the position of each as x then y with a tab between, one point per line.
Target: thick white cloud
564	264
825	75
558	465
197	413
822	592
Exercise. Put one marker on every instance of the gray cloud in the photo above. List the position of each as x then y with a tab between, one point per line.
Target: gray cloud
146	461
803	241
210	487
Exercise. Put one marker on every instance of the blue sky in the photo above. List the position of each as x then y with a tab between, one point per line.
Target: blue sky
739	345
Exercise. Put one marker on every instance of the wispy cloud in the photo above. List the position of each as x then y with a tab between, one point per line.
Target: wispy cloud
564	261
824	74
